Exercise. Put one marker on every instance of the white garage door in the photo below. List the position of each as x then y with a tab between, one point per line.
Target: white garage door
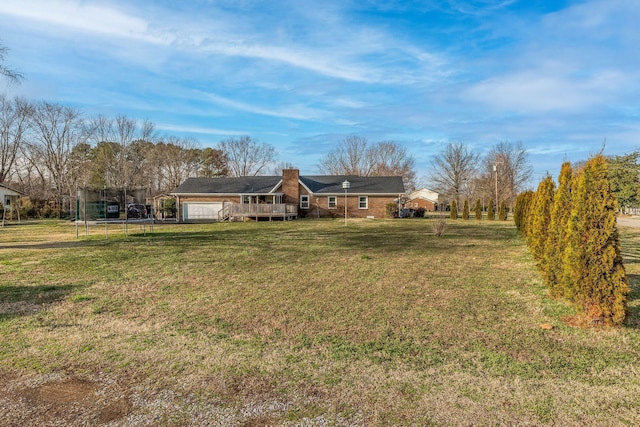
207	211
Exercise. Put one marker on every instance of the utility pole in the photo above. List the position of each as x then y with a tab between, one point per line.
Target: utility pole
495	169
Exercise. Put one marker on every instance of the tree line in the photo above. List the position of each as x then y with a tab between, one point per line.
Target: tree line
624	175
572	234
49	151
459	174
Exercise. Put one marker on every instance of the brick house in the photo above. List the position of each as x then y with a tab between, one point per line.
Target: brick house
285	197
422	198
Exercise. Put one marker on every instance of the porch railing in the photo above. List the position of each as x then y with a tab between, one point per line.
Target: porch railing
232	210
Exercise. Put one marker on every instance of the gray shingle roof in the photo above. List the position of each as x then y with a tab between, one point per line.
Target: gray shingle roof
331	184
317	184
228	185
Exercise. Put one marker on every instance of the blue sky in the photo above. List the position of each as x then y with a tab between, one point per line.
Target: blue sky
559	76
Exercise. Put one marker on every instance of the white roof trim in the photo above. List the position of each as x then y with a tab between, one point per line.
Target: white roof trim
306	188
273	190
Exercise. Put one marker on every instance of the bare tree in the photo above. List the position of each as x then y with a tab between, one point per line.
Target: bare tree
277	169
180	161
57	130
453	170
11	74
355	156
15	115
507	166
246	157
348	158
387	158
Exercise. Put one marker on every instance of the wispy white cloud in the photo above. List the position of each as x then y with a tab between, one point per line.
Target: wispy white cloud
478	7
537	91
200	130
83	16
297	112
341	58
312	61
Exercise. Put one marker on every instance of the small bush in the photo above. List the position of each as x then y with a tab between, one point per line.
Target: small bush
391	210
439	225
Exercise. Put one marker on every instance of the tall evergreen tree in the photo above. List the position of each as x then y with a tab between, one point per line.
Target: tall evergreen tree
557	235
541	217
454	210
521	210
491	215
478	210
517	211
502	215
592	260
465	209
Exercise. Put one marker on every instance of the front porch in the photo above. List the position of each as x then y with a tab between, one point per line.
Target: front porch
257	211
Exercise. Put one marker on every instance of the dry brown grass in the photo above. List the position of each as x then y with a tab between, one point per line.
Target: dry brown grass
303	323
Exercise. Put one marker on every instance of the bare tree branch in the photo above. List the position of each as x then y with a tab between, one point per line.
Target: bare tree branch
11	74
355	156
246	157
15	116
454	170
513	170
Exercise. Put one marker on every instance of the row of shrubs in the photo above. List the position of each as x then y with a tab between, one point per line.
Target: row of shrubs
572	233
35	209
503	212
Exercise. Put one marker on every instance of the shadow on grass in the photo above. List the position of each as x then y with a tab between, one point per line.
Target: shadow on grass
382	236
46	245
18	301
633	318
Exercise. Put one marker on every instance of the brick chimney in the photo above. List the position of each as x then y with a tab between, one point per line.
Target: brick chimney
290	186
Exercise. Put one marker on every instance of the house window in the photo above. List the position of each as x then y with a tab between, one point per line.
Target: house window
304	201
332	202
363	202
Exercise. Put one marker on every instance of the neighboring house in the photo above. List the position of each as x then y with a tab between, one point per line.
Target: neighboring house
286	197
422	198
10	202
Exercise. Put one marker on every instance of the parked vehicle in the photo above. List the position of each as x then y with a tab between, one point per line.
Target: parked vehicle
136	211
405	213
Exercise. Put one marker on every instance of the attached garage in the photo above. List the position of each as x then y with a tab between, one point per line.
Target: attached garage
201	211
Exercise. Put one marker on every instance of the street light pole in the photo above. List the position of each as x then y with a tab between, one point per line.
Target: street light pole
495	169
345	185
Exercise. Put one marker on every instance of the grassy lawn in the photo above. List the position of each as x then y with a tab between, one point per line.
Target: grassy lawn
301	323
